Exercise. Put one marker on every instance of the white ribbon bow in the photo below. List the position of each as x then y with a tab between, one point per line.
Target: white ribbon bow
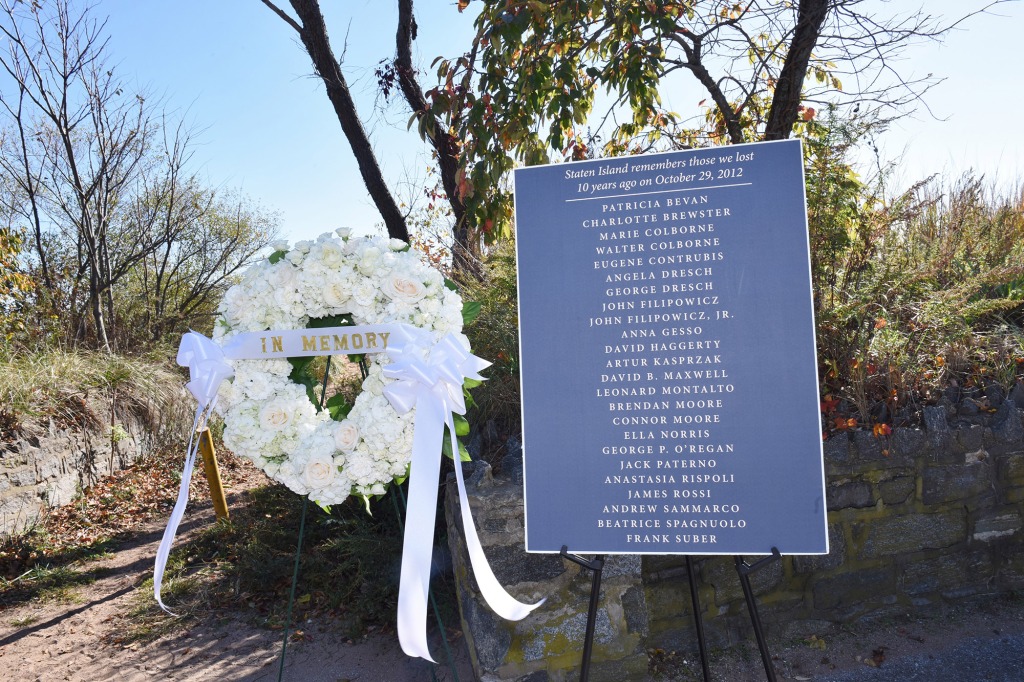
431	380
207	367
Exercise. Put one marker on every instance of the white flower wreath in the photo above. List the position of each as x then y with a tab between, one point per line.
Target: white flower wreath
271	419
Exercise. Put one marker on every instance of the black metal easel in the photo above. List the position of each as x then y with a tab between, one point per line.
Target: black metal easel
596	565
743	569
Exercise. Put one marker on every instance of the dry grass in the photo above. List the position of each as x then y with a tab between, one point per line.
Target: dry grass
88	389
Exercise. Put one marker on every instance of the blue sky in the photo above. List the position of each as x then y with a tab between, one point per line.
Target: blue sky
239	74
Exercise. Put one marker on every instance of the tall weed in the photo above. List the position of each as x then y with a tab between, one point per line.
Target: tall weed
925	294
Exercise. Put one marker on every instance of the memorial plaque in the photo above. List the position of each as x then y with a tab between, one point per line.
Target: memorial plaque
669	376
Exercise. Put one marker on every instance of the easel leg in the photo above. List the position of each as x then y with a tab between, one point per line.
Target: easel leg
597	566
698	619
220	502
744	570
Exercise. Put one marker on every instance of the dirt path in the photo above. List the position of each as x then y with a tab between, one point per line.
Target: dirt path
72	640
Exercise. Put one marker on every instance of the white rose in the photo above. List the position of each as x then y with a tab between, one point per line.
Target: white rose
403	289
319	471
344	232
346	436
331	253
370	259
276	415
335	293
227	395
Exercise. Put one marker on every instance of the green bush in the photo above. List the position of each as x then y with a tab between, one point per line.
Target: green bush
495	337
915	294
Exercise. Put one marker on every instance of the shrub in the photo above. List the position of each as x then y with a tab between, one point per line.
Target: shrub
495	337
918	297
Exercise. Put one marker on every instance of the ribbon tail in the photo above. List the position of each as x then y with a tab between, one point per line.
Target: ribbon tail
500	601
164	551
417	546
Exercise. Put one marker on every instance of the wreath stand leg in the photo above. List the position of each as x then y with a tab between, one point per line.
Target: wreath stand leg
291	594
298	545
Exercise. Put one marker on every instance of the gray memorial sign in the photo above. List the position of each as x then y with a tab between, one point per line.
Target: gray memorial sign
669	378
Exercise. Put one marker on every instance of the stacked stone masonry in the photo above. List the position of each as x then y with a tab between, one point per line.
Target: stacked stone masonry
51	465
916	519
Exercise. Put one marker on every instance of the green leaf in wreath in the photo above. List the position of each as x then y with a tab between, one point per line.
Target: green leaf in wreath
446	447
470	311
467	386
461	425
300	375
300	371
299	367
450	285
277	256
338	407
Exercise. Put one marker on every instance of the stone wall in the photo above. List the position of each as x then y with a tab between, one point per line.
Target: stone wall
549	639
916	519
49	464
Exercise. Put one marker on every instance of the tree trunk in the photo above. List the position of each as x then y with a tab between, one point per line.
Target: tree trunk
313	34
446	146
96	305
786	101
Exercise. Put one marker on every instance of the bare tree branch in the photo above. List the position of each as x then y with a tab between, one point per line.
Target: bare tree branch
284	17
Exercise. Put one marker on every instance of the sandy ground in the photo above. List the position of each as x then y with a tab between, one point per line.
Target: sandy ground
76	640
72	641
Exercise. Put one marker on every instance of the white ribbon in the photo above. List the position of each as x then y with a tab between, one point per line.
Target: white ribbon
432	379
429	378
207	368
